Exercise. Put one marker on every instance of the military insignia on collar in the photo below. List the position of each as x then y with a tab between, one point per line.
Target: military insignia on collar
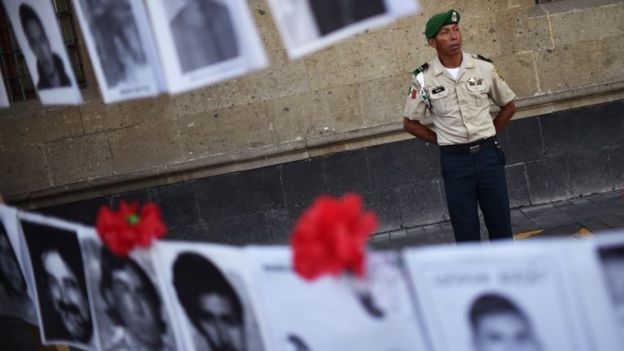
437	90
421	68
475	81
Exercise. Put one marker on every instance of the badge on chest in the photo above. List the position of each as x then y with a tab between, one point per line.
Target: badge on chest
474	81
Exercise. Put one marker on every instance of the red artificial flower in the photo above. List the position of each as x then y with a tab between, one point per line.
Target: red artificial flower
128	228
330	237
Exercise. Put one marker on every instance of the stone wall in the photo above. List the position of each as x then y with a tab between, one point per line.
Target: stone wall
350	96
550	157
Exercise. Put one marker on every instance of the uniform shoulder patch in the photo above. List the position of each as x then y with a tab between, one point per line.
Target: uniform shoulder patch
421	68
481	57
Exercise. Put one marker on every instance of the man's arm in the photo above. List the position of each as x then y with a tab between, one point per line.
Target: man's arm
504	116
420	131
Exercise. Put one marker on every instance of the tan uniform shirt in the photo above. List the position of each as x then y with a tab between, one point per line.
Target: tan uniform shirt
460	109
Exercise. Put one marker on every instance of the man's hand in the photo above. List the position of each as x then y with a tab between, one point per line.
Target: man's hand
504	116
420	131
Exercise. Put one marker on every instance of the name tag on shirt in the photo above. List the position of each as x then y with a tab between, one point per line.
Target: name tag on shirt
437	90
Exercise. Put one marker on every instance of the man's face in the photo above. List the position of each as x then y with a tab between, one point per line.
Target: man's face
38	42
133	304
505	331
219	323
9	268
448	41
67	297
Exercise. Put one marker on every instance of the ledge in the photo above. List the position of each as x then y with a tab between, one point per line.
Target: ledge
557	7
291	151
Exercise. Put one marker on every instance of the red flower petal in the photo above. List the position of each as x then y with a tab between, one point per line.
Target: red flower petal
121	232
330	237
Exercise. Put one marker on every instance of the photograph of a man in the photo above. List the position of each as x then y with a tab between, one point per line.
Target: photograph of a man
210	302
612	259
132	304
333	15
50	68
366	315
498	324
116	37
14	297
203	34
60	284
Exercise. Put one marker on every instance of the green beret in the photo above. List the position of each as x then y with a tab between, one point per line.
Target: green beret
437	21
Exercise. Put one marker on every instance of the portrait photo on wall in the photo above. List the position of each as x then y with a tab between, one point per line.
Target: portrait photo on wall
121	47
484	298
341	312
15	292
4	97
203	42
310	25
208	290
127	302
36	29
60	284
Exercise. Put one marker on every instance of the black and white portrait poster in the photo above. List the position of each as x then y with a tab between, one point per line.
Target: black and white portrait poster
511	296
598	266
309	25
60	284
126	299
334	313
208	289
15	290
120	44
36	29
205	41
4	98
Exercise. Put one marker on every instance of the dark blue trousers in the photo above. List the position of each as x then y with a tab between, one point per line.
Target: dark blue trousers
471	179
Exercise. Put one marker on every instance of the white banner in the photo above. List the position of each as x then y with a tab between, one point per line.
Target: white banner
535	295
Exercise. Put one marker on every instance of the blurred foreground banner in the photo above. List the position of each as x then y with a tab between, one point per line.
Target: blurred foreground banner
533	295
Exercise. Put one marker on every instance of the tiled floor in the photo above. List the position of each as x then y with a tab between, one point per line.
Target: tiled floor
578	216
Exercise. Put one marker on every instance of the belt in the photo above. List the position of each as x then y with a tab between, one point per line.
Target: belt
470	148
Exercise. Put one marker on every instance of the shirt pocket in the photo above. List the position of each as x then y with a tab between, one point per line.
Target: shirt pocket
478	93
439	100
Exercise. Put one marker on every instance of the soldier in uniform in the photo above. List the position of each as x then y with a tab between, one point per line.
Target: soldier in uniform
454	91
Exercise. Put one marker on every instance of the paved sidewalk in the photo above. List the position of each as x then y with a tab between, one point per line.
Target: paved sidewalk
580	216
